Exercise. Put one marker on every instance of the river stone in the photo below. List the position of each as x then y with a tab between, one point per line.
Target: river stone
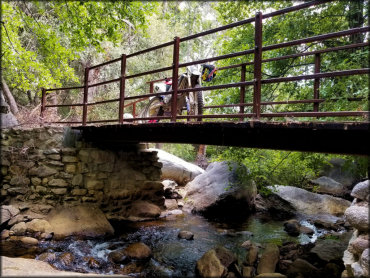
292	227
361	191
47	257
16	219
8	212
117	257
19	229
143	210
220	192
38	225
358	245
29	240
170	204
92	263
329	249
176	169
269	259
42	171
365	261
209	265
310	203
225	256
85	221
271	275
252	255
328	185
358	217
248	271
137	251
66	258
186	235
303	268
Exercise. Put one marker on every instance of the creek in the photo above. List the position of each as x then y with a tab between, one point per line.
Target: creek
172	257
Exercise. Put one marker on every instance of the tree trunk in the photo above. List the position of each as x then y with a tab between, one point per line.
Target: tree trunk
356	19
9	97
201	156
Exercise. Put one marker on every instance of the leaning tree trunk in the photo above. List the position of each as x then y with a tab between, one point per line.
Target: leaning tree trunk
9	97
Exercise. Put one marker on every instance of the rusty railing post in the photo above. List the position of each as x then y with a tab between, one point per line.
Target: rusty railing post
242	91
86	95
257	65
122	89
151	87
316	84
43	102
175	73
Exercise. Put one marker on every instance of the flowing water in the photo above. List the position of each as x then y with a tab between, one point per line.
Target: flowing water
173	256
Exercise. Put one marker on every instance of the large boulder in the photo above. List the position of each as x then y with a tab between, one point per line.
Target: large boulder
209	265
143	210
329	186
81	221
358	217
174	168
309	203
341	171
331	249
221	192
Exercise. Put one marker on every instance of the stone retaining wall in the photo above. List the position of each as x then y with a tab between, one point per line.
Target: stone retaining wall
37	168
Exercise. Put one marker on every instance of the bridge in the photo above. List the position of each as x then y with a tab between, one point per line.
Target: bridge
246	124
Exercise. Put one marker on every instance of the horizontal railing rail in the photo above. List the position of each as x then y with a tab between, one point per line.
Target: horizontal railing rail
256	83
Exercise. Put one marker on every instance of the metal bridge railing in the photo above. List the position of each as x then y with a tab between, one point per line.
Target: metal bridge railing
256	83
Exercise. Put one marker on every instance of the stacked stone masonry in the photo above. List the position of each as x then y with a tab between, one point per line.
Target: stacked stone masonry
37	168
357	258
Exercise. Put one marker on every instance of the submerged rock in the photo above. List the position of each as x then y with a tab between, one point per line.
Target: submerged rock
186	235
221	192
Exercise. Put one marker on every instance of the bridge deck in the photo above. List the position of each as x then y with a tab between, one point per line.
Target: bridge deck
328	137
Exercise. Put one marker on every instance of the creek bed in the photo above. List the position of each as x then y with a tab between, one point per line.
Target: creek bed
172	257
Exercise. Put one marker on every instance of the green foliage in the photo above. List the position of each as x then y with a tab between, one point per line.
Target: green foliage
269	167
330	17
44	43
185	151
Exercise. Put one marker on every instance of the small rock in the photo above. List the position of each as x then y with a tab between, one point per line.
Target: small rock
92	263
19	229
29	240
170	204
4	234
252	255
47	257
66	259
186	235
306	230
292	227
117	257
248	271
137	251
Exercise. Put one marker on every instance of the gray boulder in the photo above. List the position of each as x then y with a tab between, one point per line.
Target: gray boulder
221	192
329	186
361	191
358	217
310	203
176	169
